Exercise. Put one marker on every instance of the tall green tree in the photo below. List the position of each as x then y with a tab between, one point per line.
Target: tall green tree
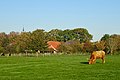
82	34
38	40
105	37
68	35
54	35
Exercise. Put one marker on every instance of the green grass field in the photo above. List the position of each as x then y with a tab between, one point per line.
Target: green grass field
64	67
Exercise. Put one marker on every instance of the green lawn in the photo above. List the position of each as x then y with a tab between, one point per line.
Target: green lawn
65	67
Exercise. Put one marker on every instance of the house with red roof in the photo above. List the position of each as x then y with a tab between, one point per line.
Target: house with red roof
54	45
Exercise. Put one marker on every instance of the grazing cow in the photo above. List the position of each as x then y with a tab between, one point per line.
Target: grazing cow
97	55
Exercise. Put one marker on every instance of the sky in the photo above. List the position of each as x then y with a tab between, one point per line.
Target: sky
99	17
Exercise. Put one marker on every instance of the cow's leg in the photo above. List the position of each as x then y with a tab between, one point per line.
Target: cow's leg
103	60
94	60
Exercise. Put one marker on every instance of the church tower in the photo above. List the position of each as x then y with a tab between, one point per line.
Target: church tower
23	29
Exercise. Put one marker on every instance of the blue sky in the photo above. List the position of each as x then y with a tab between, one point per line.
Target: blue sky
99	17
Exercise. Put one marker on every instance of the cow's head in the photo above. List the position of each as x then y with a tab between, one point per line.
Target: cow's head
90	61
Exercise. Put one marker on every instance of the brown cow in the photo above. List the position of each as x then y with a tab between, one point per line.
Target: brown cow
97	55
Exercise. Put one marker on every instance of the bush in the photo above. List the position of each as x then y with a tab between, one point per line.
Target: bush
71	47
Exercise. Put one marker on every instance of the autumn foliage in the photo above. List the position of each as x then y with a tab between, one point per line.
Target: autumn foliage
71	41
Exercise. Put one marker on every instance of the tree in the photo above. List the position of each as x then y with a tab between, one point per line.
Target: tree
54	35
88	47
12	37
105	37
82	35
100	45
23	42
3	41
111	43
1	49
67	35
72	46
38	40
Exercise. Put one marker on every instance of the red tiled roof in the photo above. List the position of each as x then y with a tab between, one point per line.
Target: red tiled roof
53	44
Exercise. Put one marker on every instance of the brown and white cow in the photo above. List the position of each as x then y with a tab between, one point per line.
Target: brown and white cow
97	55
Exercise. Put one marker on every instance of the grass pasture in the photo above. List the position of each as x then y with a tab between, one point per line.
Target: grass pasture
64	67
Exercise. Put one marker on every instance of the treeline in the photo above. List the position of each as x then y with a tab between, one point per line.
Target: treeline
109	43
73	41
